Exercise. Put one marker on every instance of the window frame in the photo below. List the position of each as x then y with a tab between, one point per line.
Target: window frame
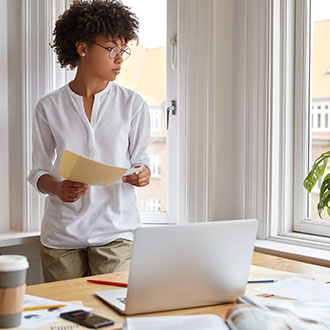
303	101
188	144
284	139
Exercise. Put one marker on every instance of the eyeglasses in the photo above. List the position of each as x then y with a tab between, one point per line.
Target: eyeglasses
115	51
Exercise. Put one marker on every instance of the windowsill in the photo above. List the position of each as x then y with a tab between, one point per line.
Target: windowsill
18	237
290	251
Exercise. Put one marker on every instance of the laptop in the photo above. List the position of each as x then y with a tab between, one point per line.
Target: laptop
183	266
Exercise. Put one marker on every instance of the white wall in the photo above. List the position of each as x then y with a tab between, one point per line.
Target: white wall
227	135
15	134
10	116
31	251
4	164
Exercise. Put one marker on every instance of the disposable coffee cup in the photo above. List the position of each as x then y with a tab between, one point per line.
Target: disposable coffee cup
12	289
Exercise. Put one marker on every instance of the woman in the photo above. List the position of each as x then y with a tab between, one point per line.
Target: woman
89	230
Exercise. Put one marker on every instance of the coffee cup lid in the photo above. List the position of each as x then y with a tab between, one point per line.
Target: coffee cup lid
12	263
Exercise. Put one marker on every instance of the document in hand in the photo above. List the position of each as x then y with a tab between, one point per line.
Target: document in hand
81	169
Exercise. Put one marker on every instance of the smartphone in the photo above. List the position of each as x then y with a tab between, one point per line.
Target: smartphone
87	319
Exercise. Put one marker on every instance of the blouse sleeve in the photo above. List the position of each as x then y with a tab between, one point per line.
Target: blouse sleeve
44	147
139	137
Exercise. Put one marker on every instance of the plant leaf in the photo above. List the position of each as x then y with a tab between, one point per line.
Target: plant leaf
317	171
324	195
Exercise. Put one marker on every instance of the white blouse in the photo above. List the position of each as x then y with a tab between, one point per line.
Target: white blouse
118	134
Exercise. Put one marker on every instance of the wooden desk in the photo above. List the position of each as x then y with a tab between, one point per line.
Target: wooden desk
79	289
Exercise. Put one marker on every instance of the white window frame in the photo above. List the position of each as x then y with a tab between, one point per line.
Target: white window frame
187	141
301	222
277	124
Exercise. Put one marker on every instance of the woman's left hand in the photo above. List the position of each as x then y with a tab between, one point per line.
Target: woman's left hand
140	179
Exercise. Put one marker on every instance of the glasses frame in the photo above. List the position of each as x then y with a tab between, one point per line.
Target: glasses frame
121	51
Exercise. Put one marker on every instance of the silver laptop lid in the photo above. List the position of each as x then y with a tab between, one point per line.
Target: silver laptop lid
181	266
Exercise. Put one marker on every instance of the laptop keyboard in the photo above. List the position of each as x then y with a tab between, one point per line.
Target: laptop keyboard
122	300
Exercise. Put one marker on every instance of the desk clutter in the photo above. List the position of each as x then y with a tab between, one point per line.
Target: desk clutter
252	311
35	315
273	299
257	313
309	310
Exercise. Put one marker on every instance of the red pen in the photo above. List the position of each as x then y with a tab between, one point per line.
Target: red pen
108	283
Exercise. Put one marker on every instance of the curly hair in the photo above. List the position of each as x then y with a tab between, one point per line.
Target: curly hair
84	20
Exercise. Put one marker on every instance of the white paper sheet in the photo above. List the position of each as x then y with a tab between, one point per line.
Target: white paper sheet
298	288
82	169
186	322
40	317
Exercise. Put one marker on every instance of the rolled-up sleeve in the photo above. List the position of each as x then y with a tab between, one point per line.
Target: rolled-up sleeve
139	136
44	147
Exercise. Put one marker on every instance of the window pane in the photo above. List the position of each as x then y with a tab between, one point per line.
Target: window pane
320	90
145	72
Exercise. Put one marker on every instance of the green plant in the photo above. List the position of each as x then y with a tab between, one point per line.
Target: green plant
315	175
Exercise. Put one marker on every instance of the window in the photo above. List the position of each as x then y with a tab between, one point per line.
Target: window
318	130
146	72
298	122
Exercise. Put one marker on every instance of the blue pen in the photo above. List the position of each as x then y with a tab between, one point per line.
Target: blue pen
261	281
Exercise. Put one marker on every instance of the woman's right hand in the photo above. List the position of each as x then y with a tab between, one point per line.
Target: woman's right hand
67	191
70	191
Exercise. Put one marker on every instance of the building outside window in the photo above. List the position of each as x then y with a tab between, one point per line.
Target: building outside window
320	116
156	119
155	164
153	205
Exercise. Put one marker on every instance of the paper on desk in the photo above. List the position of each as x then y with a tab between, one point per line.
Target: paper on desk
312	310
81	169
185	322
38	318
260	273
299	288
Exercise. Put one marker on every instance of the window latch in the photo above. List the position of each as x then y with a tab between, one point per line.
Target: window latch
171	110
173	43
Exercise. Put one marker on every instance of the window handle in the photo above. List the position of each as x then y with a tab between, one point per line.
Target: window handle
171	110
173	44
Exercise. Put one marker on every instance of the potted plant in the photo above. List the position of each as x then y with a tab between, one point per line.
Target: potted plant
315	174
